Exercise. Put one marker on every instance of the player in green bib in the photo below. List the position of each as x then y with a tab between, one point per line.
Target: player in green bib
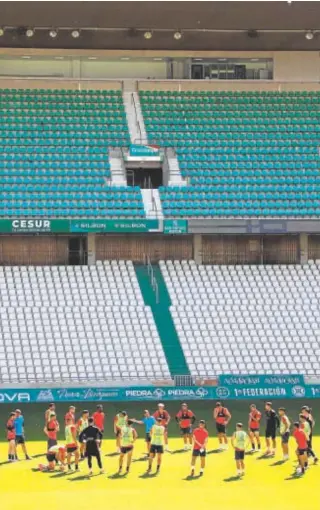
158	432
239	442
127	437
82	424
120	420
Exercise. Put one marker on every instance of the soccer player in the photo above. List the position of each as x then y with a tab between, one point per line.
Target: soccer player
11	437
302	449
92	437
306	412
200	440
70	415
55	455
272	423
148	421
185	418
284	432
254	427
98	418
72	444
165	420
158	432
19	430
222	417
127	436
51	429
120	420
82	424
51	409
239	442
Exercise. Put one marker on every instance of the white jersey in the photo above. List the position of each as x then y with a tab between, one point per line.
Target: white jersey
56	448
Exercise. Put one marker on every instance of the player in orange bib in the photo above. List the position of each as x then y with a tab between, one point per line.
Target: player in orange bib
165	420
11	437
222	417
254	427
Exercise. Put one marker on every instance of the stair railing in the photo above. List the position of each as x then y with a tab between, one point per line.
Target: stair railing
152	278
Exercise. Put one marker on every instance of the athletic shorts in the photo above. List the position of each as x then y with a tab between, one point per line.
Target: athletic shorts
271	433
72	449
285	438
197	453
302	451
156	448
254	430
51	457
148	437
186	430
52	442
126	449
221	428
20	440
239	454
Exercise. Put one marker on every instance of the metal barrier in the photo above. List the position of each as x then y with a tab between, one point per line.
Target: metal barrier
153	281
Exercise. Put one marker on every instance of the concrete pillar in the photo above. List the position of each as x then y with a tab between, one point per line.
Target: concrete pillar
303	239
91	249
197	248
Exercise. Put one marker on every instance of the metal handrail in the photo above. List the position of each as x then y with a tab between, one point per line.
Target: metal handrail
136	114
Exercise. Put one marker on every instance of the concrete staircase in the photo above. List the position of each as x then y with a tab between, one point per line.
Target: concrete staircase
117	169
137	129
152	204
175	177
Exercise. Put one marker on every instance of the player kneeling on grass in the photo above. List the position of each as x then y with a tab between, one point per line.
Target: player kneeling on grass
128	436
200	440
72	444
284	432
91	436
56	454
302	443
158	432
239	442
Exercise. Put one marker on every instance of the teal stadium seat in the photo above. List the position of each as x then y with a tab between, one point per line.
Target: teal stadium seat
249	154
54	158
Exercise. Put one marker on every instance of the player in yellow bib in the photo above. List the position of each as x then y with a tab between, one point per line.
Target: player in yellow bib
120	420
127	437
158	437
239	441
82	424
72	444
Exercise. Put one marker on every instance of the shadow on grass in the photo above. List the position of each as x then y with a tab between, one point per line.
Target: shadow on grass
5	462
141	459
210	452
278	463
264	457
190	478
251	453
149	475
38	455
80	478
114	454
60	475
234	478
117	476
174	452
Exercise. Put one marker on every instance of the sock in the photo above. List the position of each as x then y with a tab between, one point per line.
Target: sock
201	470
259	446
69	466
252	444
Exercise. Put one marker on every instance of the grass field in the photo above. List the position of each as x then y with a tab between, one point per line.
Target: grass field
267	484
264	486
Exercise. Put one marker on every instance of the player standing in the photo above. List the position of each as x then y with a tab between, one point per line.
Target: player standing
239	442
19	430
306	412
72	444
272	423
82	424
158	432
284	432
254	427
51	429
11	437
200	440
70	415
222	417
91	436
120	420
165	420
127	436
98	418
47	414
185	418
148	421
302	443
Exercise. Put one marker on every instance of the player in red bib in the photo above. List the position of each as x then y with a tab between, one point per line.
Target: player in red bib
98	419
222	417
51	429
70	415
186	419
302	443
254	427
200	440
11	437
165	420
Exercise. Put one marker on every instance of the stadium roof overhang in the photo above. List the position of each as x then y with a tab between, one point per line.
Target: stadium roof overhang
242	26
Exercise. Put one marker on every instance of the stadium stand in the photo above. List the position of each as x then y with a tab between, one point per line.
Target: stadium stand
246	319
243	154
54	158
77	324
